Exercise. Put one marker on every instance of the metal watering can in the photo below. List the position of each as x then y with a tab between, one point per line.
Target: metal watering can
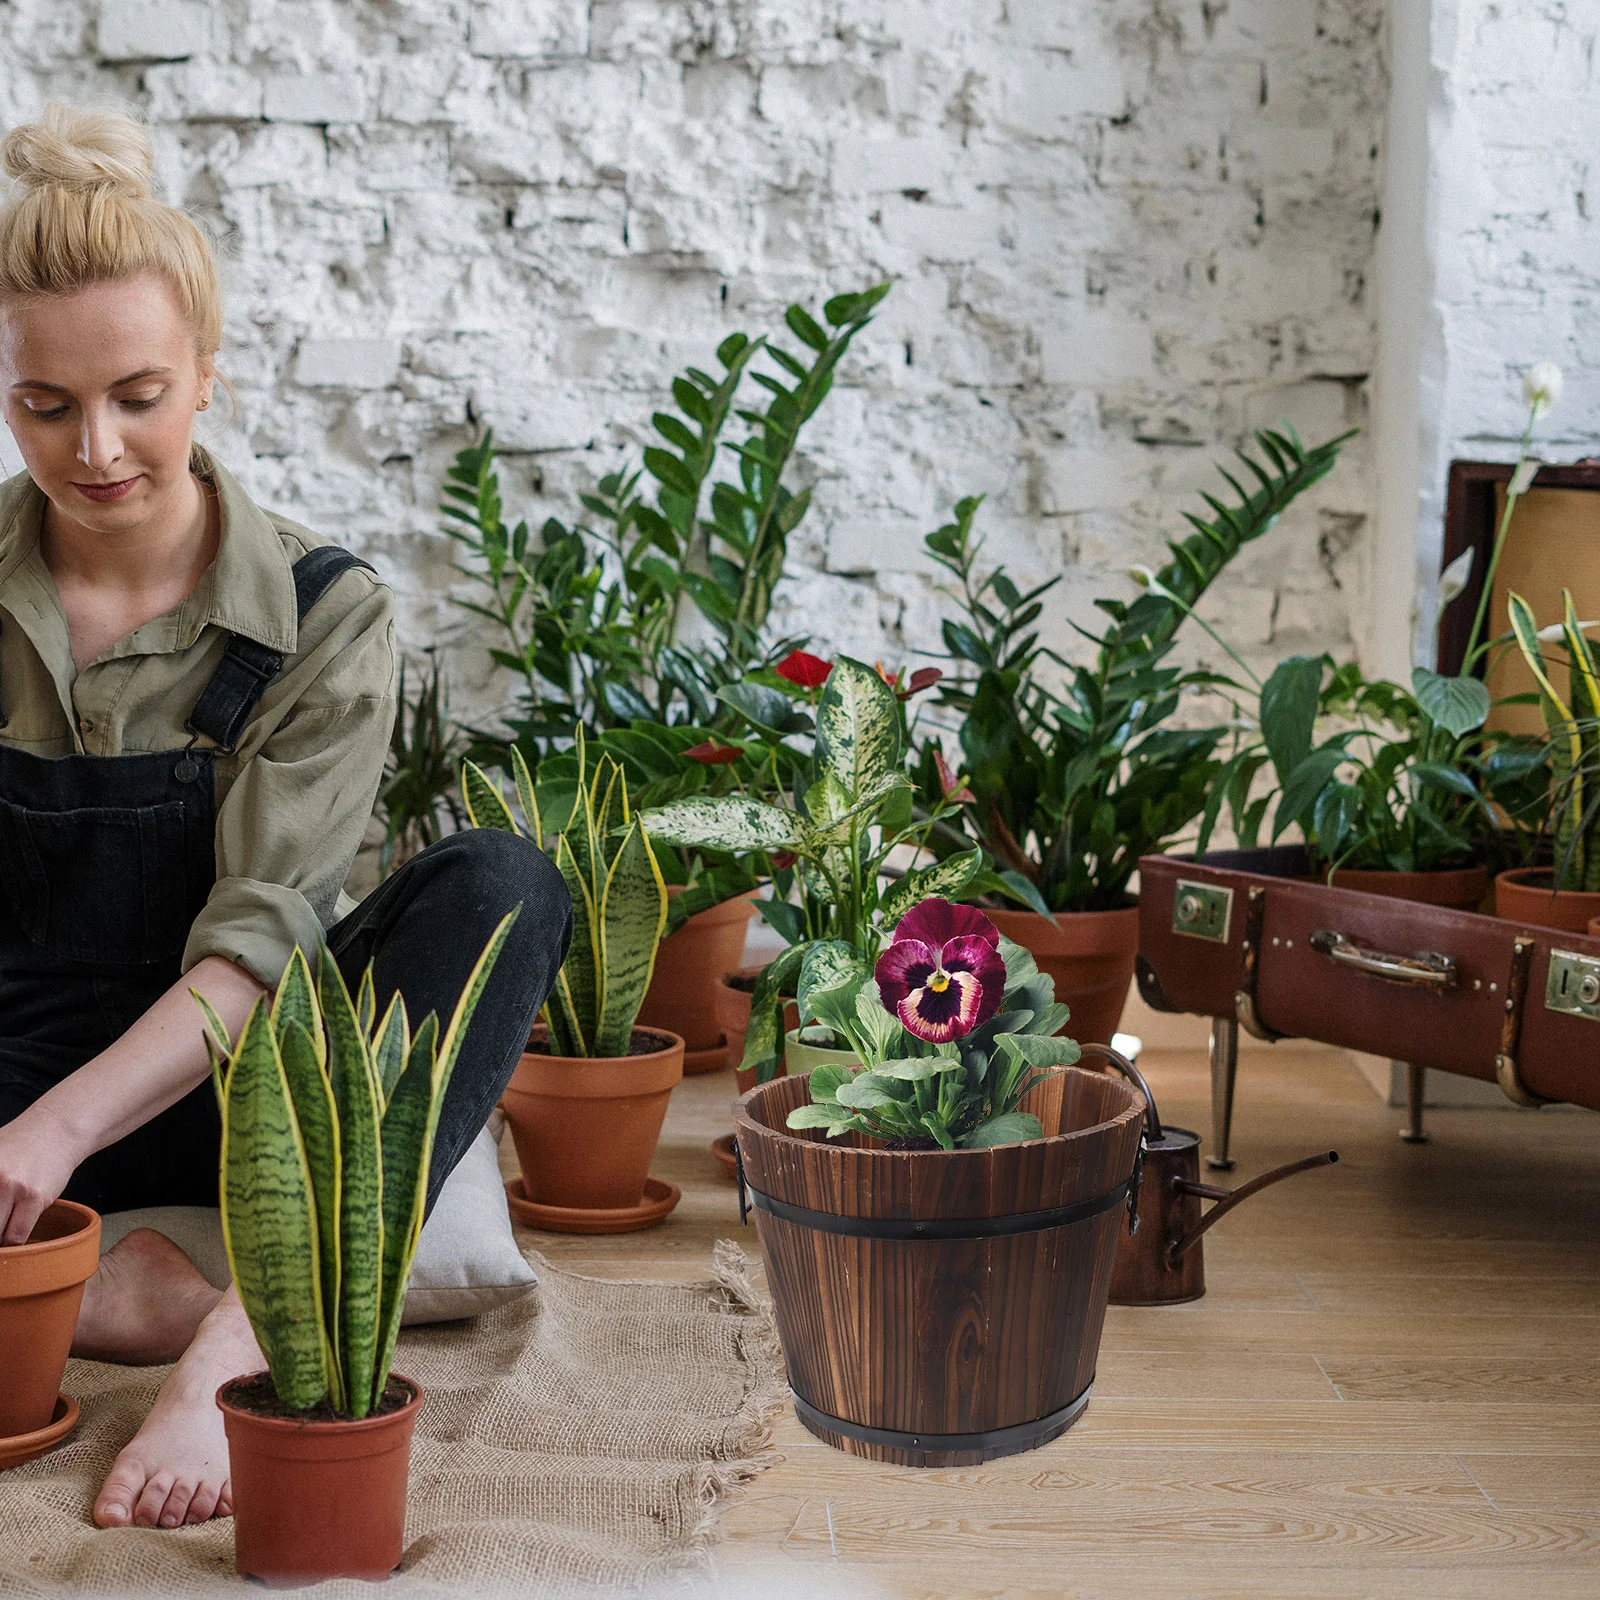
1160	1261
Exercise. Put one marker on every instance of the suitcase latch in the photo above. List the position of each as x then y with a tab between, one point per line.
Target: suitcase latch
1201	910
1573	986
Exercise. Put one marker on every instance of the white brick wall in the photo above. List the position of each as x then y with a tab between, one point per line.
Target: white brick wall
1123	232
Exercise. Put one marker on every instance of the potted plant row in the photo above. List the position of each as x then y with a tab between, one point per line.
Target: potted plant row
328	1121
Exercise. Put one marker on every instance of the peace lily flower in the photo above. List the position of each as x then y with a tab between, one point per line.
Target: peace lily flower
1453	580
1527	470
1557	631
943	975
1541	386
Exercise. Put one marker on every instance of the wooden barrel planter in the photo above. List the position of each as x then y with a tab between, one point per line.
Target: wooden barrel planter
942	1308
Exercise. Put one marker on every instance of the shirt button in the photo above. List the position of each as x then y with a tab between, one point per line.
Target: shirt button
86	724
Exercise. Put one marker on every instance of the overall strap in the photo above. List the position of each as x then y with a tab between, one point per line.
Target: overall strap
246	668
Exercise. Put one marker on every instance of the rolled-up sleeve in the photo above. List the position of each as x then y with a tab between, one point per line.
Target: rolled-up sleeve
289	826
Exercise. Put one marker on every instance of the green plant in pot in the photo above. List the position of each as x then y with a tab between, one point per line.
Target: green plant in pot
826	845
1567	893
587	1099
328	1122
1066	788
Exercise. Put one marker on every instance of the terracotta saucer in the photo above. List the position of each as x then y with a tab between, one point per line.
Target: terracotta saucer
659	1199
22	1447
722	1149
713	1060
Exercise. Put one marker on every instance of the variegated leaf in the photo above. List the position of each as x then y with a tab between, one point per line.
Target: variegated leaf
632	915
858	727
947	879
577	988
849	821
526	795
486	806
828	964
763	1042
735	824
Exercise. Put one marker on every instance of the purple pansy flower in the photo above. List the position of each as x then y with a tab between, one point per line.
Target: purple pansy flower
943	975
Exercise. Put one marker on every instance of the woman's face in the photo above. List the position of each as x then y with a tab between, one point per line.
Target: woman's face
100	388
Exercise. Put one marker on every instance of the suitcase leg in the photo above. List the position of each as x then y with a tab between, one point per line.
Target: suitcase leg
1224	1068
1416	1082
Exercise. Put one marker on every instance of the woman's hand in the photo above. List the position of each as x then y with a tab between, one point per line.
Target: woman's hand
37	1158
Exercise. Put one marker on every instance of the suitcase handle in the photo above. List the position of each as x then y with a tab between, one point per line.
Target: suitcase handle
1425	970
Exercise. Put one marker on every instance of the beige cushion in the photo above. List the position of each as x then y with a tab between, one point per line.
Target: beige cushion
467	1260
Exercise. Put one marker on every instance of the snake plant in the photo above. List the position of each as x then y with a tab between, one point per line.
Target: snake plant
619	899
328	1121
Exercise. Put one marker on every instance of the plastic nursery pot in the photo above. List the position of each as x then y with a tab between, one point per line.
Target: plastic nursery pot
1089	956
734	993
586	1128
682	996
315	1500
800	1056
41	1289
1528	894
1460	888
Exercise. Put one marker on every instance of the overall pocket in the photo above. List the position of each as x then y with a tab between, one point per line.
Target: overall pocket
100	883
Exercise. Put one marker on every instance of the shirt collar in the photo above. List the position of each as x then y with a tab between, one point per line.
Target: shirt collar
248	589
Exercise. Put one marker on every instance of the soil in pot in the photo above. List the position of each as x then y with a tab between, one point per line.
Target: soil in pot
1089	956
941	1308
586	1128
734	993
317	1498
1528	894
1460	888
682	996
41	1289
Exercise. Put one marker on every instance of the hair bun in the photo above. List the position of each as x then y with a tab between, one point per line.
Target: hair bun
82	151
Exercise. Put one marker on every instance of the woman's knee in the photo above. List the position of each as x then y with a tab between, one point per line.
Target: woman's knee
491	871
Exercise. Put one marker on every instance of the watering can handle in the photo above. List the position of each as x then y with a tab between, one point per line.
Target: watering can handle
1115	1058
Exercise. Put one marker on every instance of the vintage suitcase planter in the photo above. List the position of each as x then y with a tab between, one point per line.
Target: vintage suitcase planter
941	1308
1245	938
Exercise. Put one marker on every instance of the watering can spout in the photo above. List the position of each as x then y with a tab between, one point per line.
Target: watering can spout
1227	1199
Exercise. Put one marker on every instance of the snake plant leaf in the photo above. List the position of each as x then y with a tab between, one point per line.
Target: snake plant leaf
733	823
407	1151
763	1042
526	795
366	1004
391	1047
485	805
611	814
312	1096
268	1218
355	1095
858	726
632	915
217	1027
573	1010
948	879
297	998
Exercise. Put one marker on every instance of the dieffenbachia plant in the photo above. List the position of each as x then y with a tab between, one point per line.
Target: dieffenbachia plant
328	1122
619	899
953	1028
829	846
1572	729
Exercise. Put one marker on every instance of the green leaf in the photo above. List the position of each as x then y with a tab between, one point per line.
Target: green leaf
632	915
822	1083
763	1040
1013	1127
391	1047
1304	784
920	1069
805	329
819	1116
1043	1054
485	805
1289	702
828	964
1458	705
733	823
867	1091
949	879
269	1218
768	709
858	727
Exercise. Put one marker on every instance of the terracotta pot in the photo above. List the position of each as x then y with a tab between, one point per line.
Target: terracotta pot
682	996
41	1288
1089	956
1525	894
315	1500
1594	927
800	1056
586	1128
733	1014
1460	888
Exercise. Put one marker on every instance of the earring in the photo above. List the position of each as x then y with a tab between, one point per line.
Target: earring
203	404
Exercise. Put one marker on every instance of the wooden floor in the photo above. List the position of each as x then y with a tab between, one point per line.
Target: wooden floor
1392	1387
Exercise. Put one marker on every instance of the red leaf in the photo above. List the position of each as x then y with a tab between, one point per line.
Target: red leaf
713	755
804	669
922	678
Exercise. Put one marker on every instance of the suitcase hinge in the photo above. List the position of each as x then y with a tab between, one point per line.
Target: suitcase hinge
1506	1072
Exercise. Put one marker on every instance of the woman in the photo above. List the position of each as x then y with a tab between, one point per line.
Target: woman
195	703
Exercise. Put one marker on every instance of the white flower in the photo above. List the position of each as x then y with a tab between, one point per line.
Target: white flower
1453	580
1557	631
1541	386
1142	576
1523	476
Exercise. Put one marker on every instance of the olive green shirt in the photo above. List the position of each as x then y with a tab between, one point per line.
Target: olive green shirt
295	797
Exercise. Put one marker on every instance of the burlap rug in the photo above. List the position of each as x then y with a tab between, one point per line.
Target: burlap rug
578	1438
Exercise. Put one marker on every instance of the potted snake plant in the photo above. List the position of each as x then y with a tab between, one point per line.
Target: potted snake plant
328	1122
589	1095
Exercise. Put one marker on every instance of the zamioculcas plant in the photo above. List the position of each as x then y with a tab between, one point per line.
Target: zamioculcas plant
619	899
328	1121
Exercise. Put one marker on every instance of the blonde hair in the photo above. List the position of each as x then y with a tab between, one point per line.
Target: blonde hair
87	213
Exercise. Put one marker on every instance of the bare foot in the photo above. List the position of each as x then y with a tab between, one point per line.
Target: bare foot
145	1304
176	1468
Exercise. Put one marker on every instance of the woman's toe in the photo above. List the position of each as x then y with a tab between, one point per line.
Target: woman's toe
147	1513
205	1504
113	1507
179	1499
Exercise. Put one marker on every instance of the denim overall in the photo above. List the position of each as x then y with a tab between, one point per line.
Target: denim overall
105	862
